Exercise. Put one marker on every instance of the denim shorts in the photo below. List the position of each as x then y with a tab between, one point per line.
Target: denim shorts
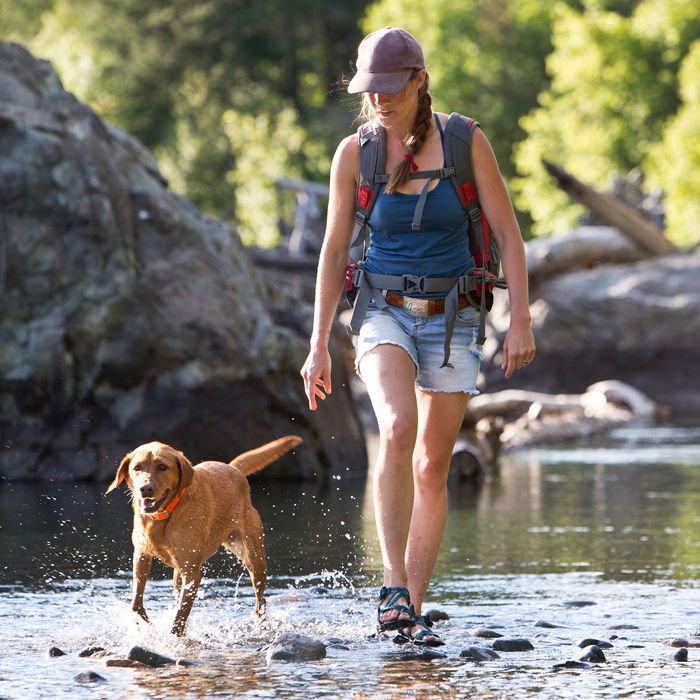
424	341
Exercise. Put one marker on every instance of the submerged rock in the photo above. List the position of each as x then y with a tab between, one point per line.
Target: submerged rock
291	646
574	664
55	652
89	677
589	641
425	655
124	663
513	644
578	603
485	633
149	658
478	654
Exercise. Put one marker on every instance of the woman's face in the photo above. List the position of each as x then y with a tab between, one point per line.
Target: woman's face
399	107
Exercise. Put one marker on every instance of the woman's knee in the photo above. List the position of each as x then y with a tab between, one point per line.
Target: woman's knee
430	472
398	430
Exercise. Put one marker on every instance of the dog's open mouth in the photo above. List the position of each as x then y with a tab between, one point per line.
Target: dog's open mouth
153	505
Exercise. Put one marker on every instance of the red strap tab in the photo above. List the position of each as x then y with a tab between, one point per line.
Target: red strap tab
364	196
467	192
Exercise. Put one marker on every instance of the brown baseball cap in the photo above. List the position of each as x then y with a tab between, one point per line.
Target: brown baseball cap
385	60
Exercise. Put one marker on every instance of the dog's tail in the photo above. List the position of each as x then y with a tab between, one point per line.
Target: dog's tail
255	460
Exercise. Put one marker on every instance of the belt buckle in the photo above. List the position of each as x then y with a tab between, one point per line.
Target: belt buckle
416	307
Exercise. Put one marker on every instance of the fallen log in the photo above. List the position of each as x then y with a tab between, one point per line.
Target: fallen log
612	210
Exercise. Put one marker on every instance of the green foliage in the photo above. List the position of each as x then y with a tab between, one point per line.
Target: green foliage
674	163
613	89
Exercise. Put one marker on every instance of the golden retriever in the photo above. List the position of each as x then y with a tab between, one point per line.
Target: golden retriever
183	514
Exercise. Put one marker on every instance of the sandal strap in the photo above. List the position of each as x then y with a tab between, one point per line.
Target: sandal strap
391	595
424	620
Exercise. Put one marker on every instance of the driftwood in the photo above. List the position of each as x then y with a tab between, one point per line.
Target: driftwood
582	248
532	417
611	209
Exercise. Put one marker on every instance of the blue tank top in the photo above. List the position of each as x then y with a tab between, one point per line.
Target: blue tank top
439	249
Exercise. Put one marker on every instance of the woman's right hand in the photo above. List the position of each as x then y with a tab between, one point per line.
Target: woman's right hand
317	375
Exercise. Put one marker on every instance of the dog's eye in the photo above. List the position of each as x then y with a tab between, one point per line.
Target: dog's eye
162	467
137	467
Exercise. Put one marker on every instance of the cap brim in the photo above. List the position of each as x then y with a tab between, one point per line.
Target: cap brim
384	83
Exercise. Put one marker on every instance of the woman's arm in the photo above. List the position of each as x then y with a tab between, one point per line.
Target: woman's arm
332	264
519	343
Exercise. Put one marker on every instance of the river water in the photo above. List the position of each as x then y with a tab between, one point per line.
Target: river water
613	527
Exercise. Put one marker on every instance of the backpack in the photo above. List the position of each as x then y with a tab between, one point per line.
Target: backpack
479	282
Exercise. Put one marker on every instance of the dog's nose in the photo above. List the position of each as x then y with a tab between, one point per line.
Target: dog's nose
146	491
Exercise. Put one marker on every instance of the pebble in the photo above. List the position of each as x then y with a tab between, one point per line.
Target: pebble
681	655
592	653
547	625
597	642
485	633
513	644
90	651
55	651
478	654
89	677
438	615
290	646
149	658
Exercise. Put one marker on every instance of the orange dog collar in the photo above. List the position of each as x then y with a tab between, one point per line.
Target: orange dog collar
165	514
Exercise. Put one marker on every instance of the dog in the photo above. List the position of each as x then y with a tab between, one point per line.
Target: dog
184	513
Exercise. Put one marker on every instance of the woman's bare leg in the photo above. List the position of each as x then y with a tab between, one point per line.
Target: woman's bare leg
389	375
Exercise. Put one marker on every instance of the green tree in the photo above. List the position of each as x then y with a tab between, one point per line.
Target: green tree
613	88
674	163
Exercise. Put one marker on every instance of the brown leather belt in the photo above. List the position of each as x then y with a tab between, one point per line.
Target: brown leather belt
421	307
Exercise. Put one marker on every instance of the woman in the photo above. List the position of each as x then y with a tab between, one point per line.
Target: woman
419	400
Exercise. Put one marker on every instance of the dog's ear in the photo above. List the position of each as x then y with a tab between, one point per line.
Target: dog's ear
122	471
186	470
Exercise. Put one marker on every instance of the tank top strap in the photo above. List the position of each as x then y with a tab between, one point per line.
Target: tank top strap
440	129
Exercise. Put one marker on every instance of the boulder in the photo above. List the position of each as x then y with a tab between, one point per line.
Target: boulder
637	322
127	315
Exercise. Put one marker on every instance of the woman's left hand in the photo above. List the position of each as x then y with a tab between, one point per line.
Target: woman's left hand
518	348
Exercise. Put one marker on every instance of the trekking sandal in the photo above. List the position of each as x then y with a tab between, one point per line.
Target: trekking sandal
392	595
425	621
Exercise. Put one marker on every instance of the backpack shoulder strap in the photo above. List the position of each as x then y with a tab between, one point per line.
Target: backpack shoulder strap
371	142
459	131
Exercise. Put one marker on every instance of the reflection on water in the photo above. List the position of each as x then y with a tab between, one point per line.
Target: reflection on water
617	524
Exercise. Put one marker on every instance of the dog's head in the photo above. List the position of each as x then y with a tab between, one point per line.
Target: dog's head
155	473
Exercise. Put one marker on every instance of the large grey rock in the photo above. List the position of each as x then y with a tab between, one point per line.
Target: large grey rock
126	315
637	322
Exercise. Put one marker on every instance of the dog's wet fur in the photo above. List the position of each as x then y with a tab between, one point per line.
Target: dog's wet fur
215	510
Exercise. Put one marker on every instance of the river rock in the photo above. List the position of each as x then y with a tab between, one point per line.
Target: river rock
681	655
437	615
624	627
90	651
128	315
593	654
89	677
574	664
547	625
55	652
425	655
291	646
578	603
485	633
124	663
512	644
478	654
149	658
590	641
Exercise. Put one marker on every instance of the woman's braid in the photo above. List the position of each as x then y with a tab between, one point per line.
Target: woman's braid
415	138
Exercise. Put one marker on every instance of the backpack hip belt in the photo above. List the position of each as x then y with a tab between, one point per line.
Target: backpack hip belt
369	287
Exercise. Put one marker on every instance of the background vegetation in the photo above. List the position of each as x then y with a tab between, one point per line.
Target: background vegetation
231	94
